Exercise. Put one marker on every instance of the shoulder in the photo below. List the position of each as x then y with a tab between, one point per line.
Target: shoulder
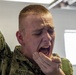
4	48
19	64
5	55
66	65
2	42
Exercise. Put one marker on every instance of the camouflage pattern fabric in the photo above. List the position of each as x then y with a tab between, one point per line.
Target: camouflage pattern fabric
5	55
2	42
16	64
4	48
22	66
66	65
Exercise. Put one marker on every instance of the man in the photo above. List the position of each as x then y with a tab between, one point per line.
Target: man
36	35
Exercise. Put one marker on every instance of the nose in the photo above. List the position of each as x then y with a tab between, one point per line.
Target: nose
47	37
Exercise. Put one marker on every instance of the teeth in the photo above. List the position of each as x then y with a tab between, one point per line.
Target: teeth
45	47
44	50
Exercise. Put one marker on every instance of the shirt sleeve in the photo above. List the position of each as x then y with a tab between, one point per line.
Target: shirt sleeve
67	66
5	54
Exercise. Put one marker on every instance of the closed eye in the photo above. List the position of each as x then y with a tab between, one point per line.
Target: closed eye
38	33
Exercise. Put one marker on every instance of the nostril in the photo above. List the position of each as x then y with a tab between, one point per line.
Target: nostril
47	41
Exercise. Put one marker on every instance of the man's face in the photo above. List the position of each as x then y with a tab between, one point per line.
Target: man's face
39	35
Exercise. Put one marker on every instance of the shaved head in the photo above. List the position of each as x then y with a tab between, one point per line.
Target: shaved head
34	10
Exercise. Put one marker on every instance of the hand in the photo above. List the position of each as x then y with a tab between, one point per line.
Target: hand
49	66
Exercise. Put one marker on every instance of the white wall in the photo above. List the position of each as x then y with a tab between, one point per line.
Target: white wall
63	19
9	12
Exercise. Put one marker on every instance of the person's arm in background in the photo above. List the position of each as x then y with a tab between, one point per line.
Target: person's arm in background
5	55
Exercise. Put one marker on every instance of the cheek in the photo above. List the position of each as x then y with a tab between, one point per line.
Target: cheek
31	43
34	44
53	37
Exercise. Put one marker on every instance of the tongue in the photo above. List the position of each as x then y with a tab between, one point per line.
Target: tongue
45	51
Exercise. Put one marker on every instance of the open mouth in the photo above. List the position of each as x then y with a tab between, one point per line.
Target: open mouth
45	50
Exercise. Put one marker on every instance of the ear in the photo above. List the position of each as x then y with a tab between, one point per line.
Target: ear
20	37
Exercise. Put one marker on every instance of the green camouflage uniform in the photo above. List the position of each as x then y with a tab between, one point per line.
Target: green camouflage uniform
5	56
17	64
22	66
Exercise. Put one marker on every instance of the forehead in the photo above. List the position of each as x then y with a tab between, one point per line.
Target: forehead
38	21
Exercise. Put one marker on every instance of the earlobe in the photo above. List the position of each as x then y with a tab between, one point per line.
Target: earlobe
19	37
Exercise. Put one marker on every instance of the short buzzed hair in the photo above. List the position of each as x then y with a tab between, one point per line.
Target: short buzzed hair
32	9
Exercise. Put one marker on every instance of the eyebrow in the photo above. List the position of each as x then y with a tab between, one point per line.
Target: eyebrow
52	27
37	30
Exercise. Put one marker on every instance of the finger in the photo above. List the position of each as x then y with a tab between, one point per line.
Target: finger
46	59
49	60
46	68
35	55
39	61
56	59
56	63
